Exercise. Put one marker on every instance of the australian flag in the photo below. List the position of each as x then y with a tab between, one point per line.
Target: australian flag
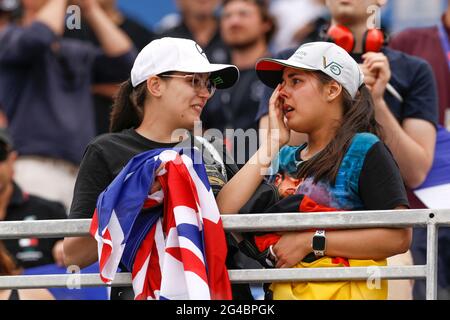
172	241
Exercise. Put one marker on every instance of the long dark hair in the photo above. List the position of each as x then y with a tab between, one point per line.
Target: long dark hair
128	108
358	116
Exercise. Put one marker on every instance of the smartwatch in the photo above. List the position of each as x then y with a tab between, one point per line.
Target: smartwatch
318	243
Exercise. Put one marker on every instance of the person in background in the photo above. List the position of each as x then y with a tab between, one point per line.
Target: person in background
200	23
433	45
246	27
9	268
294	27
103	93
16	205
410	125
45	90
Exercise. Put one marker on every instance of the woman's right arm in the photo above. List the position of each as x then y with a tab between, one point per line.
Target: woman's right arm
235	194
94	176
80	251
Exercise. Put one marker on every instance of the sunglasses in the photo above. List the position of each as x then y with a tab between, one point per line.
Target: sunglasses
197	82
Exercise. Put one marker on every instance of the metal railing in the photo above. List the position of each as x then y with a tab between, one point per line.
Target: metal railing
432	219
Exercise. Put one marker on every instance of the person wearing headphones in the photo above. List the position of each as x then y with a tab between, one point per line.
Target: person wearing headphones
432	43
403	90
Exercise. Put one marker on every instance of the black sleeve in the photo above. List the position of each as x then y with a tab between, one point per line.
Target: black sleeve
93	177
380	184
421	101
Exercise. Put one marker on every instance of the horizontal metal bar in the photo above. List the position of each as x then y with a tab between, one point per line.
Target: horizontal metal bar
252	222
327	274
236	276
335	220
61	281
44	228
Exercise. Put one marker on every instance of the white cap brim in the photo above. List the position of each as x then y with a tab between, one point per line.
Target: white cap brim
223	75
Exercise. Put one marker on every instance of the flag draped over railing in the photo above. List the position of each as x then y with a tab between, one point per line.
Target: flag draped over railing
172	241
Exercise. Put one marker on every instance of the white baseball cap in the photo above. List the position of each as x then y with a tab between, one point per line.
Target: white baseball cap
316	56
183	55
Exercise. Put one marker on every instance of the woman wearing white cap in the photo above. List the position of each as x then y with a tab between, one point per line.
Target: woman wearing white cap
344	165
170	83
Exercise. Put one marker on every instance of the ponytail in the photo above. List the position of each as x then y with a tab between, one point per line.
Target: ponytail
128	108
358	116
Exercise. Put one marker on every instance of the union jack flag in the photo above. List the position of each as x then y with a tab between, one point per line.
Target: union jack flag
172	241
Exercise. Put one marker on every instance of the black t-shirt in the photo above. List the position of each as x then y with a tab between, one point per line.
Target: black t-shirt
106	156
235	107
216	50
367	180
139	35
381	172
32	252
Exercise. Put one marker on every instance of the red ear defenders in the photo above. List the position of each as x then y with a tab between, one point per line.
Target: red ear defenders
373	39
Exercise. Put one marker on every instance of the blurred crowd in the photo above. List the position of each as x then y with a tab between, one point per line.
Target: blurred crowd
57	85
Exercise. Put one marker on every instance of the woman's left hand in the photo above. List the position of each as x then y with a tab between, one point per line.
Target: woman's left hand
292	248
